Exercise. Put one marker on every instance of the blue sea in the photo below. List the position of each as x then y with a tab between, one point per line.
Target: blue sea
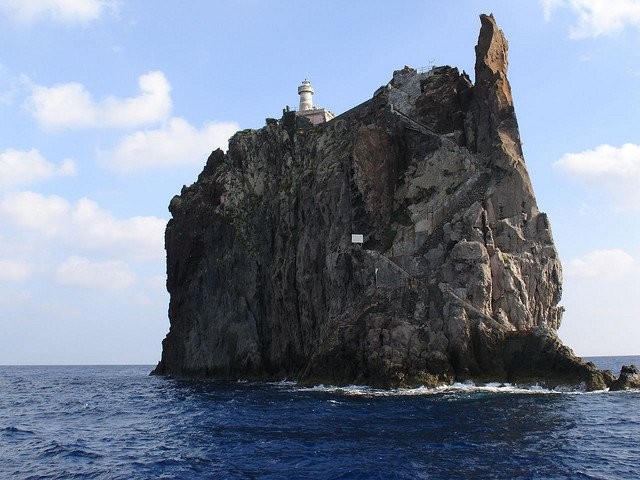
117	422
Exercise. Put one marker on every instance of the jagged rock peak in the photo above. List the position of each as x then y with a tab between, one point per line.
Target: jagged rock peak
492	48
457	276
497	122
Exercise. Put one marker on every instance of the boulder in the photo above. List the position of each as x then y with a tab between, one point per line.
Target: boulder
629	378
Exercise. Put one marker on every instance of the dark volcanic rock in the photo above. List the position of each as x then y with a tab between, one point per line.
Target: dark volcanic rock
629	379
458	277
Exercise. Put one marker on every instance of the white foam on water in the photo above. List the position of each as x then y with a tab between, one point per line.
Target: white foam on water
455	388
284	383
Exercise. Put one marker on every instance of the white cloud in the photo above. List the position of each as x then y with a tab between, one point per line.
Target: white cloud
597	17
549	6
33	211
175	143
600	294
603	265
616	170
70	105
109	275
84	225
14	271
63	11
19	167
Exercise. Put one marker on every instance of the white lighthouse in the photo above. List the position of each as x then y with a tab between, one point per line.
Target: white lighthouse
316	115
306	92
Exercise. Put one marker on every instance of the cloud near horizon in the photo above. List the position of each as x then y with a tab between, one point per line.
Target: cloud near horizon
83	226
70	105
82	272
19	167
597	17
62	11
175	143
606	265
12	271
615	170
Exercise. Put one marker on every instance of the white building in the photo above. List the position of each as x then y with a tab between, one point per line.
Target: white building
315	114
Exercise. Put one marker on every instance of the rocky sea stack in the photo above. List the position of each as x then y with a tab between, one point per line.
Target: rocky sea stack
457	277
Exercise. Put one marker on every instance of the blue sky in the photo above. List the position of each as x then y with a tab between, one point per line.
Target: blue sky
109	107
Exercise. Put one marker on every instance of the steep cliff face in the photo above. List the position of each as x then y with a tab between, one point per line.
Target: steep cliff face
457	278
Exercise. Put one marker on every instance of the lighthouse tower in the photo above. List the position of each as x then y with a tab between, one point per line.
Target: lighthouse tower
306	91
316	115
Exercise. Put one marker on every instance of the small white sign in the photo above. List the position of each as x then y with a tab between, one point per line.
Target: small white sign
357	238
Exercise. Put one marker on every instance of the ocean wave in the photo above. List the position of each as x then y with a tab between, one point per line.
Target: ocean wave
455	388
468	387
16	431
73	450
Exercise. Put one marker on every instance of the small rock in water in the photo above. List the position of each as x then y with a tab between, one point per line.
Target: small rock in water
629	379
